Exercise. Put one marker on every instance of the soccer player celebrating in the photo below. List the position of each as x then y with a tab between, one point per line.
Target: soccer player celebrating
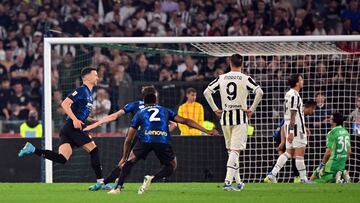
338	150
295	133
77	106
234	88
153	120
279	137
132	108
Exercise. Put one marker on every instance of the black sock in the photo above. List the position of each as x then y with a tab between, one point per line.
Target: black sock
125	171
113	175
294	169
48	154
95	163
164	172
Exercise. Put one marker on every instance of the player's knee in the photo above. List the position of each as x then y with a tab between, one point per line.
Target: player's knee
288	155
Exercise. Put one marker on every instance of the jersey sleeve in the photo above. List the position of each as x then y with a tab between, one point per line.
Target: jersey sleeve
293	102
135	122
214	86
172	115
76	94
251	85
129	108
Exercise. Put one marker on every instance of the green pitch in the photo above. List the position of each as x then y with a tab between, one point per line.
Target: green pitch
180	193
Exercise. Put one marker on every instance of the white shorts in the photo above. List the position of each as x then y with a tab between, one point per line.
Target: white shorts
235	136
299	141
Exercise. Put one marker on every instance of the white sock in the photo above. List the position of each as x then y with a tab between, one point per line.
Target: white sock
232	167
237	172
300	165
101	180
280	163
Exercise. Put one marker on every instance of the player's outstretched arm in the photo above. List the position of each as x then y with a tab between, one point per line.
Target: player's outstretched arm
193	124
105	119
66	105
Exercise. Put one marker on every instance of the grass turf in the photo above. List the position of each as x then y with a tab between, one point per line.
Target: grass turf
180	193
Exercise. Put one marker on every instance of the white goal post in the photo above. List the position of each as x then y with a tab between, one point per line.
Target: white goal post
214	46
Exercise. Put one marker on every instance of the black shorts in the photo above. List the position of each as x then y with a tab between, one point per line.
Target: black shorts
277	142
163	152
75	137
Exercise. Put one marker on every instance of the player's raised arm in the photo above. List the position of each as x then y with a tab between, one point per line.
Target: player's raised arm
193	124
106	119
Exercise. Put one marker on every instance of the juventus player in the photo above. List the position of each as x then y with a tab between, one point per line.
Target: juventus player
234	88
295	133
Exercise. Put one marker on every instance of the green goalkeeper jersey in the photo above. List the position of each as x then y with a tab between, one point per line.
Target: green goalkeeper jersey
338	140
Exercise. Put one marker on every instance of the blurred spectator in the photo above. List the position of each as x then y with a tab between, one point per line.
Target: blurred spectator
192	110
352	13
169	64
169	6
5	94
141	71
157	13
31	128
19	102
20	70
57	111
322	113
188	64
355	118
101	107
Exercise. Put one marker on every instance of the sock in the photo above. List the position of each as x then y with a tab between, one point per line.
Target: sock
48	154
164	172
300	165
113	175
232	166
126	169
280	163
294	168
237	172
95	163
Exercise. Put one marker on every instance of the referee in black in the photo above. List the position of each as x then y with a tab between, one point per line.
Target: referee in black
77	106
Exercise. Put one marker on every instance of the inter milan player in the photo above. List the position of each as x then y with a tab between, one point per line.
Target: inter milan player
77	106
153	121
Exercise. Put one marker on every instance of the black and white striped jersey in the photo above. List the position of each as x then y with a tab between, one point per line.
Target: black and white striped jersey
293	102
234	89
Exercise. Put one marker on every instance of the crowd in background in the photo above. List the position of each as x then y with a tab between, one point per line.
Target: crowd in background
23	25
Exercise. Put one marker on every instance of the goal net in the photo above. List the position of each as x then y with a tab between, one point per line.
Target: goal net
330	67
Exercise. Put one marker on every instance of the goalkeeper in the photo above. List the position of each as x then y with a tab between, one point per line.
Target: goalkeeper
338	150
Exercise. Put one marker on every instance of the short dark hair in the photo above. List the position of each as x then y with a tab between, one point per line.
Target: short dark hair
293	79
310	103
236	60
149	95
190	90
86	71
338	118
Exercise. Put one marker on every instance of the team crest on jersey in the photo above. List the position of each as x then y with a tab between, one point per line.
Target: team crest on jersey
74	93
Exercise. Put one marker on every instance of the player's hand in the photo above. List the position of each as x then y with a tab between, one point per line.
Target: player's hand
319	169
213	132
248	112
218	113
89	127
77	124
290	137
308	131
122	162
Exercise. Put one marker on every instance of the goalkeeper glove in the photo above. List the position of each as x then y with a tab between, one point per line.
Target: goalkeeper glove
320	168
